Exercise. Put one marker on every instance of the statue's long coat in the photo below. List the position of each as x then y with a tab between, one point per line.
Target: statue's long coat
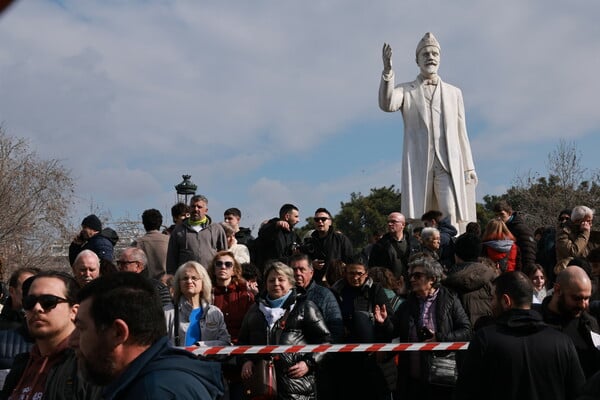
418	157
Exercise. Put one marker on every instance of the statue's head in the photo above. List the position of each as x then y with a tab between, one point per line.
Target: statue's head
428	55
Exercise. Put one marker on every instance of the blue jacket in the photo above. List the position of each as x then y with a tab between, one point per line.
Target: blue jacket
163	372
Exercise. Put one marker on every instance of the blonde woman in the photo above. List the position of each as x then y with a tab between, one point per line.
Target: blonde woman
193	319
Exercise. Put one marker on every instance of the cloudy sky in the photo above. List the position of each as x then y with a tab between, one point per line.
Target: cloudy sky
265	103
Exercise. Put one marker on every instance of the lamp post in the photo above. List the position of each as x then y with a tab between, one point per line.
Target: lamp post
185	189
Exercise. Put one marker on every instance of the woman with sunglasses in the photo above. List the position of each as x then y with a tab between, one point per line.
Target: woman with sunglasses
230	291
193	319
431	313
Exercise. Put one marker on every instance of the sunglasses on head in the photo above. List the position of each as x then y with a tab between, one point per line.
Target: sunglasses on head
47	301
227	264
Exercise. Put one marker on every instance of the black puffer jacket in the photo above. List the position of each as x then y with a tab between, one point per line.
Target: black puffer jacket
303	325
472	281
525	241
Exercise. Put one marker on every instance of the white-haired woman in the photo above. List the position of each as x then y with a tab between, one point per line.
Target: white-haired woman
193	319
431	313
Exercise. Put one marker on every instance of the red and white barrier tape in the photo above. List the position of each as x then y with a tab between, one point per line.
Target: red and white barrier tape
327	348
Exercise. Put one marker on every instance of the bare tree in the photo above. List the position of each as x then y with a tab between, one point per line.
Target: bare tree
35	197
568	184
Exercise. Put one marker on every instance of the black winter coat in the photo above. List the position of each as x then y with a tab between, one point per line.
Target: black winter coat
525	241
303	325
519	357
451	325
273	243
385	254
333	247
472	281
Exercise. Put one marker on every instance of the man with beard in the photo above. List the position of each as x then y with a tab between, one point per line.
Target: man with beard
86	267
49	370
121	343
567	311
519	357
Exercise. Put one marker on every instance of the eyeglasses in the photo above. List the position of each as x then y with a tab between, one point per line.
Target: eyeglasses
391	221
416	275
187	278
226	264
320	219
47	301
121	262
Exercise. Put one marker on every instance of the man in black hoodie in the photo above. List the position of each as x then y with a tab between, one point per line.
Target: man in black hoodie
518	357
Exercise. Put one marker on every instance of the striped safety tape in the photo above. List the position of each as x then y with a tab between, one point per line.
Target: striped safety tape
326	348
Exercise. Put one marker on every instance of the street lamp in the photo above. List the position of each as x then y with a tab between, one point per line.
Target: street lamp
185	189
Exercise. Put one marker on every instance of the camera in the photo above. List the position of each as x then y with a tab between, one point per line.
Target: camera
424	334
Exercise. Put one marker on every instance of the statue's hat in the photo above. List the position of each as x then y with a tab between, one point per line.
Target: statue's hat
428	40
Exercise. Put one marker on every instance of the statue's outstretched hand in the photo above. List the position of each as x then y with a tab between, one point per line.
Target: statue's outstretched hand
387	58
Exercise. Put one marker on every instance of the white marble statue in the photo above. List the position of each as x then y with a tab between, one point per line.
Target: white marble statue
437	167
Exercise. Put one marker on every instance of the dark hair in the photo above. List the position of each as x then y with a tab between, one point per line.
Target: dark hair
385	277
594	255
71	285
535	268
179	209
233	211
323	210
417	230
503	205
516	285
300	257
468	247
567	211
152	219
432	214
14	277
130	297
251	272
107	267
286	209
473	227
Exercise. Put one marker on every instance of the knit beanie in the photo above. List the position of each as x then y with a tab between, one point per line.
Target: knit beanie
92	222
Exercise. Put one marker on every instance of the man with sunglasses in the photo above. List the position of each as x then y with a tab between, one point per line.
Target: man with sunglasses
327	246
49	370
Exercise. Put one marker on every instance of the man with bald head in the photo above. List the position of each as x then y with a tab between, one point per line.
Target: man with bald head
393	249
567	311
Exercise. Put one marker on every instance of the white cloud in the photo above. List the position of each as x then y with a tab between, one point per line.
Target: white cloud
131	95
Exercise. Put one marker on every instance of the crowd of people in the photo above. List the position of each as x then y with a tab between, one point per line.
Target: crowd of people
110	327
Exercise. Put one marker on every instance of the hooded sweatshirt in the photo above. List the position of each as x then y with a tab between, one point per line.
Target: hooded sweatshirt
164	372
